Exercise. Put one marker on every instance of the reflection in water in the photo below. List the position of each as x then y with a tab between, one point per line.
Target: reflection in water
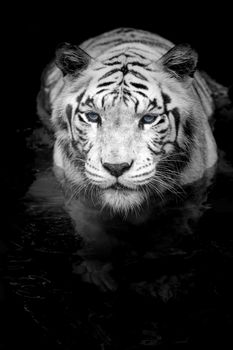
173	286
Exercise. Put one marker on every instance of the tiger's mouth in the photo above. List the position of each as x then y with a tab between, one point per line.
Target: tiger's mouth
119	187
121	198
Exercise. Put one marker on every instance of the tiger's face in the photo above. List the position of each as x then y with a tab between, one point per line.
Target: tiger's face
123	134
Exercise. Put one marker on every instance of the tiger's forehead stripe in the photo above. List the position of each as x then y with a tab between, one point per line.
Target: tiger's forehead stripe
126	79
125	89
107	83
122	84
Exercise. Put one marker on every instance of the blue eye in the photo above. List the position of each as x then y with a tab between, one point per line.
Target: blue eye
148	119
93	117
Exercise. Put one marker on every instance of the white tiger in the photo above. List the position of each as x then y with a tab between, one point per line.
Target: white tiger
130	115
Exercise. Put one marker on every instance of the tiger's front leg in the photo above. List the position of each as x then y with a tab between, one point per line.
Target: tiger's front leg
97	246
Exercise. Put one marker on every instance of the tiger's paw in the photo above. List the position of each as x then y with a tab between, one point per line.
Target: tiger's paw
96	272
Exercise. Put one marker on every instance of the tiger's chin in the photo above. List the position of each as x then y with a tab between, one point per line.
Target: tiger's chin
122	201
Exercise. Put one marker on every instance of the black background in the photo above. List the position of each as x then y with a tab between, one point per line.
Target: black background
34	33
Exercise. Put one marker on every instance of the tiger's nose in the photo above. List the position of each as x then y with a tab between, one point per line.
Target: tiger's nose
116	169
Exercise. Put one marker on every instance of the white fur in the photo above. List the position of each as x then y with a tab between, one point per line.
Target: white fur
120	139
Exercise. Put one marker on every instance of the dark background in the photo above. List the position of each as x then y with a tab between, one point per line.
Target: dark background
36	33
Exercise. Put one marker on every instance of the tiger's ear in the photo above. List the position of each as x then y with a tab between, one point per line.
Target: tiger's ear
71	59
180	61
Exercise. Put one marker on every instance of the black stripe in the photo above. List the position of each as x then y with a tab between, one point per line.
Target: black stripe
188	129
127	92
139	64
74	144
166	100
79	99
108	74
155	152
126	100
82	138
114	98
100	91
139	86
169	143
80	131
176	115
69	113
107	83
99	68
125	69
156	142
88	150
85	143
112	63
128	56
81	119
152	104
120	82
136	106
138	75
140	93
69	110
103	101
162	133
90	102
80	96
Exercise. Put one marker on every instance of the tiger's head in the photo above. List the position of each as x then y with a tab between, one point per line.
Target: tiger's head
124	124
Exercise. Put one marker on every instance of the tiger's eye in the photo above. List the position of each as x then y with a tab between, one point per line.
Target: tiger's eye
148	119
93	117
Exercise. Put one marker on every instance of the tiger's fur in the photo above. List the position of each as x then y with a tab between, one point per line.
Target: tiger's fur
122	78
122	82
